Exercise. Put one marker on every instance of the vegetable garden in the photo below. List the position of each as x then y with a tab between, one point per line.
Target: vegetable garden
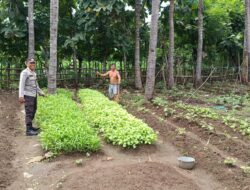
63	126
68	127
184	91
133	141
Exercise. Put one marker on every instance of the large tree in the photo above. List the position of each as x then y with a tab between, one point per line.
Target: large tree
246	49
138	82
150	81
54	9
198	79
171	46
31	52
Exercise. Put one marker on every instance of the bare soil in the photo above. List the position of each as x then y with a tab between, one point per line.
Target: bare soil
209	151
151	167
8	123
146	175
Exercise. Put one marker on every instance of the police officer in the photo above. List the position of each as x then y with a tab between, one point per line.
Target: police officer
28	90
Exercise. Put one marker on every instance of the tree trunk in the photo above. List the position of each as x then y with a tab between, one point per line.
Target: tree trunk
198	79
138	81
248	39
54	6
80	69
75	68
125	66
31	51
104	65
150	81
8	73
171	46
246	50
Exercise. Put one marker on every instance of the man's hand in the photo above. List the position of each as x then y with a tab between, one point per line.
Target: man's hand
43	95
21	100
97	73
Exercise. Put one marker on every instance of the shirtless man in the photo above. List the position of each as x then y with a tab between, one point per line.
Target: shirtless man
114	82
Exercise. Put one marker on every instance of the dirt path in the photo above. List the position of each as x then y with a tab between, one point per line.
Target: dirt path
146	168
8	122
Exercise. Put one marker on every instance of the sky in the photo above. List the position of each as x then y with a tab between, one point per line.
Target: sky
148	19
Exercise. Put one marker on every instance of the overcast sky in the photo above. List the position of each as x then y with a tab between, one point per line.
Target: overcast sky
148	19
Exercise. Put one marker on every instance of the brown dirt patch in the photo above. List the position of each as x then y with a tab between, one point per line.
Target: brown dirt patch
224	138
8	123
209	160
144	176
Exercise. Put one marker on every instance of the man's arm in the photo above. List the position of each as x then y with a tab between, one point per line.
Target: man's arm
103	75
23	77
39	90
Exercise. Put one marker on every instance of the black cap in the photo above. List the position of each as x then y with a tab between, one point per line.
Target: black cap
30	60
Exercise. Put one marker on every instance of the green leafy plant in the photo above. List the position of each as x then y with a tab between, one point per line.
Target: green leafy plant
245	169
168	111
159	101
197	112
64	127
232	100
116	124
207	126
230	161
181	131
137	99
79	162
242	125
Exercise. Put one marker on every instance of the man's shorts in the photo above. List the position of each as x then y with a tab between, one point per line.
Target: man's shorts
113	90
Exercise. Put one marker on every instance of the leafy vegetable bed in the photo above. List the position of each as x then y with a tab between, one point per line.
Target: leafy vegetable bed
200	115
117	125
64	128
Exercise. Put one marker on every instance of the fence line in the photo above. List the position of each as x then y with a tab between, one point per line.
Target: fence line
9	77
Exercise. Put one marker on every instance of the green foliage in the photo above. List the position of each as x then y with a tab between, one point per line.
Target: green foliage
181	131
160	85
64	128
232	100
159	101
137	99
180	93
230	161
168	111
102	31
242	125
198	115
204	116
116	124
197	111
79	162
245	169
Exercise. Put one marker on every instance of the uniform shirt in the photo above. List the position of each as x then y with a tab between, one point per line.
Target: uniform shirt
28	85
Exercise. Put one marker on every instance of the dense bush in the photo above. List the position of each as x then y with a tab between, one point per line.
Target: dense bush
64	128
117	125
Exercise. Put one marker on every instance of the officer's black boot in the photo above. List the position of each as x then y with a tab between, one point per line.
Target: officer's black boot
34	129
30	132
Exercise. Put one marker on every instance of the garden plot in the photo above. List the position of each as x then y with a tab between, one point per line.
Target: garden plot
198	131
116	124
64	129
113	168
68	127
